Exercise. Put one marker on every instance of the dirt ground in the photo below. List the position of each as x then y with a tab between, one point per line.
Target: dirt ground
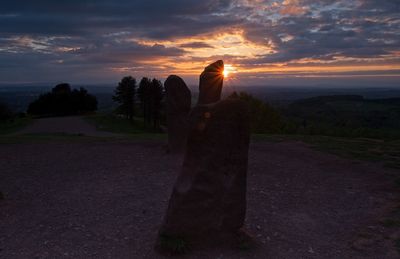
107	200
71	125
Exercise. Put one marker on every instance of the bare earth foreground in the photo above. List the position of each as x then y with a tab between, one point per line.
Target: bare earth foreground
70	125
107	199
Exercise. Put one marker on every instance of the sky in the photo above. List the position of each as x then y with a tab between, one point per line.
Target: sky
263	42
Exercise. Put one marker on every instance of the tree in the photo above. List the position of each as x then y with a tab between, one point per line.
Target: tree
157	94
63	88
63	101
125	95
151	93
144	98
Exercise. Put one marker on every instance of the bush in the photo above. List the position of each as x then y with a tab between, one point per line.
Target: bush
62	101
263	117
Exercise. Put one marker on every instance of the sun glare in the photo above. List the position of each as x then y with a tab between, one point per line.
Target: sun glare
225	73
228	69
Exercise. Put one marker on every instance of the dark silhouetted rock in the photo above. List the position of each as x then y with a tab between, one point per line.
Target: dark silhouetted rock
208	201
1	196
178	108
211	81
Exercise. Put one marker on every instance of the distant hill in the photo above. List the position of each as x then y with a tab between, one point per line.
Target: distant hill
282	96
352	112
19	97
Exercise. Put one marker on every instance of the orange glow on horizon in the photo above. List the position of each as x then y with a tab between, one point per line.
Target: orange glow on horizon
233	47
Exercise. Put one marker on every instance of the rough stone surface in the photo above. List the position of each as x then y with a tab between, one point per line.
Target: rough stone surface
209	196
178	108
211	81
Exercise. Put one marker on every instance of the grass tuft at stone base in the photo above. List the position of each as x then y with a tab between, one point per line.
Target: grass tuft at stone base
171	245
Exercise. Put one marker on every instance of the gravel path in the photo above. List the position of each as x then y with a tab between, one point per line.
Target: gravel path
107	200
69	125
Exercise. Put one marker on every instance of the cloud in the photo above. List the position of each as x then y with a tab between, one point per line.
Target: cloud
154	19
327	32
292	7
173	35
196	45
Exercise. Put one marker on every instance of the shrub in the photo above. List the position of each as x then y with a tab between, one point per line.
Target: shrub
63	101
263	117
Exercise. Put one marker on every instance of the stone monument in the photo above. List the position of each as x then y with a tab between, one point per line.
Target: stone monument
208	202
178	107
211	81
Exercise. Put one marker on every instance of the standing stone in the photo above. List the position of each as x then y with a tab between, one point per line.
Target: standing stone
211	81
208	202
209	196
178	107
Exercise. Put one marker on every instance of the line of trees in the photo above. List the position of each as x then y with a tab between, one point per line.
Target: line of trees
125	96
62	101
151	93
147	97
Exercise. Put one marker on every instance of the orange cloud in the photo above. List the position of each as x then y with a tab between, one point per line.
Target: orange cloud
292	7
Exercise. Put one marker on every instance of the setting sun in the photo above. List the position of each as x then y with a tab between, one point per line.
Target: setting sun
225	73
228	69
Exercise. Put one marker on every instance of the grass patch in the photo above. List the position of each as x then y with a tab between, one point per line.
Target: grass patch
267	137
397	244
173	245
48	138
390	223
112	123
385	151
397	182
377	150
13	125
128	132
76	138
245	245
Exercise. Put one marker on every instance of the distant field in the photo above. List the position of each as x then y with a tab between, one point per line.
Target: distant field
346	115
384	151
111	123
14	125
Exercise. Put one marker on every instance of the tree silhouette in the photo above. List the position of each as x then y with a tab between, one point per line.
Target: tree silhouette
144	98
157	94
151	93
125	95
63	101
